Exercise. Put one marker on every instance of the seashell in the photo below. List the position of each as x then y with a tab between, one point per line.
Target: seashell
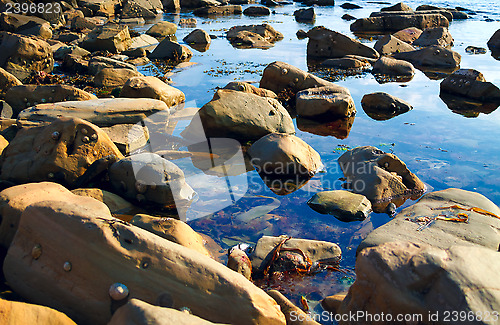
118	291
55	135
94	137
85	139
67	266
36	252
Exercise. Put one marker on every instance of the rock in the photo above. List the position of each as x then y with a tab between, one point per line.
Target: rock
389	44
111	37
22	55
398	7
332	303
82	23
187	22
102	112
152	87
319	2
3	143
249	88
456	14
7	80
415	279
170	50
346	63
241	116
58	152
25	25
110	77
408	35
382	106
257	11
475	50
137	312
162	29
174	230
494	42
239	262
198	36
119	253
136	54
172	5
115	204
270	3
468	107
141	8
98	63
128	137
293	314
14	313
393	67
435	36
470	83
348	6
281	77
325	43
24	96
394	23
211	11
259	36
74	50
380	176
348	17
305	15
324	102
343	205
318	251
432	56
133	21
99	7
301	34
75	63
144	41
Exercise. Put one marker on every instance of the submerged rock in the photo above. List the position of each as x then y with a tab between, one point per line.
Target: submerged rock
347	63
259	36
394	23
348	6
432	56
408	35
435	36
470	83
382	106
324	102
392	67
389	44
212	11
152	87
343	205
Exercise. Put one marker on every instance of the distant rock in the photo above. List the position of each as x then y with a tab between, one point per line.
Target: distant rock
214	11
258	36
394	23
348	17
398	7
141	8
348	5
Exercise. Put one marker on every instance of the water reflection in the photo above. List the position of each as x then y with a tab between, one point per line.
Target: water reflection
378	114
338	128
200	47
468	107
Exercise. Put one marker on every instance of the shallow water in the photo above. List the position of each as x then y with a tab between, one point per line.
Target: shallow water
444	149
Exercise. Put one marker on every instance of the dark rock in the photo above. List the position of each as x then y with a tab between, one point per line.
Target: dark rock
348	5
393	67
170	50
301	34
381	106
257	11
346	63
471	84
305	15
348	17
494	42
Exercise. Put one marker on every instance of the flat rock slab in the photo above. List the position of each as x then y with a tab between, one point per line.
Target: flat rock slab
343	205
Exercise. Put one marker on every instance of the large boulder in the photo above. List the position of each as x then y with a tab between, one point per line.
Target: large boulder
404	278
171	50
325	43
343	205
432	56
324	102
162	29
392	67
479	231
494	42
17	313
434	36
240	115
394	23
381	177
102	112
470	83
25	25
60	152
382	106
116	204
389	44
110	37
24	96
152	87
259	36
141	8
23	55
111	77
7	80
130	263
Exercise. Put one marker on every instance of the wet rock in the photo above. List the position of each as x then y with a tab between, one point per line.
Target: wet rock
281	77
325	43
305	15
348	5
14	312
118	252
270	3
111	37
135	54
332	303
22	55
141	8
318	3
318	251
102	112
408	35
8	80
259	36
238	261
432	56
398	7
171	5
187	22
218	11
494	42
380	176
24	96
294	315
249	88
392	67
98	63
348	17
128	137
133	21
116	204
137	312
338	128
57	152
25	25
411	279
241	116
110	77
198	36
152	87
444	13
470	83
170	50
394	23
435	36
324	101
343	205
162	29
382	106
257	11
389	44
456	14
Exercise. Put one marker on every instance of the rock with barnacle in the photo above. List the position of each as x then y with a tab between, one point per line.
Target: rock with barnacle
470	83
152	268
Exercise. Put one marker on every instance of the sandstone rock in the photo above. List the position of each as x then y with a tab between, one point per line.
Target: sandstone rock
325	43
162	29
259	36
394	23
152	87
494	42
133	21
111	37
456	14
128	137
25	25
141	8
239	262
389	44
249	88
470	83
16	313
398	7
393	67
305	15
435	36
381	177
343	205
22	55
7	80
98	63
170	50
346	63
408	278
257	11
317	251
60	151
137	312
324	101
110	77
152	268
102	112
408	35
75	63
432	56
241	116
382	106
24	96
198	36
115	204
293	314
212	11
